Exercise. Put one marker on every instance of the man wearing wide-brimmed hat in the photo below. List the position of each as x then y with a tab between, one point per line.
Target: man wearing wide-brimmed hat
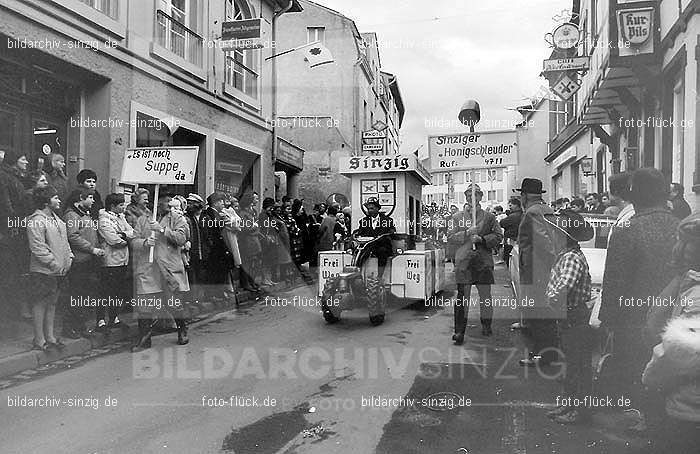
473	262
539	243
374	225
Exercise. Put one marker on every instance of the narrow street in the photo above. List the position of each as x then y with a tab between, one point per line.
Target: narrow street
322	379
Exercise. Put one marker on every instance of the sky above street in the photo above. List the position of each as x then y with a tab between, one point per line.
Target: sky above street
446	51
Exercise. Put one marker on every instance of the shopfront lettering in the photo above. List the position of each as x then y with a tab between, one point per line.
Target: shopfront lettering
378	163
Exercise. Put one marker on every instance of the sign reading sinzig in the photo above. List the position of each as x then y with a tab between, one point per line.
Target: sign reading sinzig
160	165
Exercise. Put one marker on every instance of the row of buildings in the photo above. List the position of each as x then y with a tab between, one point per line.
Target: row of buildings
91	78
638	101
637	105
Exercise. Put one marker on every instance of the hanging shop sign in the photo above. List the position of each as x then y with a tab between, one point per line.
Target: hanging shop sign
566	87
243	34
636	29
566	64
373	134
290	154
564	37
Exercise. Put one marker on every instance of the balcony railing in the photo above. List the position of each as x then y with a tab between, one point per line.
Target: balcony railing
179	39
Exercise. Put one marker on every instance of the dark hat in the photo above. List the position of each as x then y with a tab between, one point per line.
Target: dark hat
473	186
574	225
531	186
215	197
373	201
86	174
268	202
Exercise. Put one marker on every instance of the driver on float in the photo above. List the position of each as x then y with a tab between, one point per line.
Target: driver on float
374	225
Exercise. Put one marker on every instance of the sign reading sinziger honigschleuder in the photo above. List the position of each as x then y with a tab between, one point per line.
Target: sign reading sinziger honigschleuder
473	150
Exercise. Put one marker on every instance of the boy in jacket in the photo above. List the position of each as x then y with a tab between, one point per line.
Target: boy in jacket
82	279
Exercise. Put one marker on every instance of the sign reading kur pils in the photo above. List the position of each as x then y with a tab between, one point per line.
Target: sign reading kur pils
160	165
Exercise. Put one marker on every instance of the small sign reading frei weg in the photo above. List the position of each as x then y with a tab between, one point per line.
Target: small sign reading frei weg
160	165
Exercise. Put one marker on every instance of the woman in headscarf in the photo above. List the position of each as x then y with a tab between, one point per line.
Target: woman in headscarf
160	283
138	206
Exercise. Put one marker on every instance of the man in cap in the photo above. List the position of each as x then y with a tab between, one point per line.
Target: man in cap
473	261
539	243
374	225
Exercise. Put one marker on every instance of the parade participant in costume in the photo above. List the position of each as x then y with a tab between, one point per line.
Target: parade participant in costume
473	261
374	225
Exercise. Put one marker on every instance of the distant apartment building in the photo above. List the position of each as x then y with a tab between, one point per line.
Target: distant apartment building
325	109
493	183
91	78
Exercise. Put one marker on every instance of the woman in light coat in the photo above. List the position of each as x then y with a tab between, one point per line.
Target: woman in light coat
161	282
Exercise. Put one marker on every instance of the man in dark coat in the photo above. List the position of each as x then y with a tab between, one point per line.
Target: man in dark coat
216	257
473	261
374	225
510	226
539	243
679	206
637	267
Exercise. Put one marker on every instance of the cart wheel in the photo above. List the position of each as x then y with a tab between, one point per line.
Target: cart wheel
376	320
328	314
376	303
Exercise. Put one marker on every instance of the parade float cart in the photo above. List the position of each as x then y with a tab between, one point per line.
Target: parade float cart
413	273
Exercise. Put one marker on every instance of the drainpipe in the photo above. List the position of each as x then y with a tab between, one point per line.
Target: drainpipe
274	82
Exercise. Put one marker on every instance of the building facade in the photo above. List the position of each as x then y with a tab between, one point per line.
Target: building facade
325	109
637	105
91	78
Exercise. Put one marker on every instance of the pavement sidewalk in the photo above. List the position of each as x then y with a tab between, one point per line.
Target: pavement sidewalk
17	356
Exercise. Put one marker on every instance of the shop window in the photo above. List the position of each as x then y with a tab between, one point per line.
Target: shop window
175	24
151	132
575	179
235	170
491	195
678	129
107	7
499	195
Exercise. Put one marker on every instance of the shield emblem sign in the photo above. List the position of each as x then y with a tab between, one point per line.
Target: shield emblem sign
636	25
382	189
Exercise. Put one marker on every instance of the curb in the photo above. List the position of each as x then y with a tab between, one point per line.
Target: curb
20	362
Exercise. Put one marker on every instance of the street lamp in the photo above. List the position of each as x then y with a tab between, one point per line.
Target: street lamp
469	115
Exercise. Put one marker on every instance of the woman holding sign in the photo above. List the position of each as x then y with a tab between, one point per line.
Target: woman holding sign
159	283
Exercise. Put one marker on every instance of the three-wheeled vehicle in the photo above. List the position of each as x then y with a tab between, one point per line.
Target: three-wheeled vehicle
350	279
